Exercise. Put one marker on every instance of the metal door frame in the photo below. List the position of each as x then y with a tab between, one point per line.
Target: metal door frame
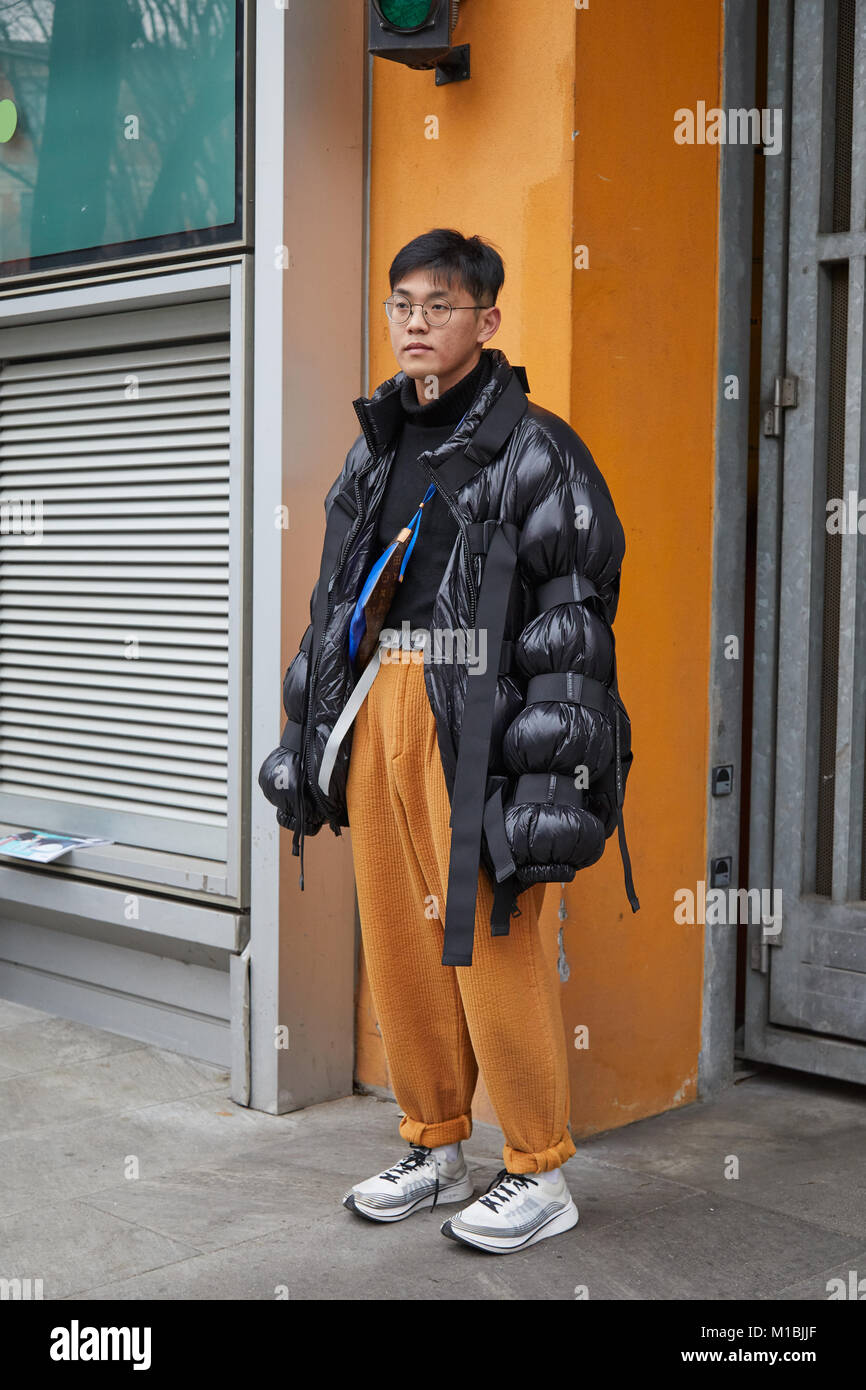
725	693
775	708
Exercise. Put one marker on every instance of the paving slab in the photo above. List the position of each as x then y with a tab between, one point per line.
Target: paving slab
12	1013
70	1246
31	1101
705	1247
820	1285
39	1044
77	1157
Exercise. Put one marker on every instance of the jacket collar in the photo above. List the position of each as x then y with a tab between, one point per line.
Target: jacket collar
381	415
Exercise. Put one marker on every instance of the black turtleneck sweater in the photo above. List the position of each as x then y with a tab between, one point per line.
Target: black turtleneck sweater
424	427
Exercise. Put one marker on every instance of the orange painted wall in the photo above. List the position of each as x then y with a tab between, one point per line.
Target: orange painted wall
562	137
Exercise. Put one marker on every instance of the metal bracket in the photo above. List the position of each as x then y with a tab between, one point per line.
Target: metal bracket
454	67
785	395
759	950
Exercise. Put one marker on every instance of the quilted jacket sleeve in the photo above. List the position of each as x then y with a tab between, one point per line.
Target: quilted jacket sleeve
563	741
278	775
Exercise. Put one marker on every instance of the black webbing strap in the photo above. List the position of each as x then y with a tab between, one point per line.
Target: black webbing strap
291	738
571	686
620	797
504	868
506	657
605	785
467	818
467	802
481	534
487	440
497	840
549	788
566	588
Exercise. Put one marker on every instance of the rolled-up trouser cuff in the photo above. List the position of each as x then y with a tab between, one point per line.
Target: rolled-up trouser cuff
435	1135
543	1162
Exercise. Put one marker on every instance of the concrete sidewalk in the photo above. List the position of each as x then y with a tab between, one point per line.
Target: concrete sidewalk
230	1203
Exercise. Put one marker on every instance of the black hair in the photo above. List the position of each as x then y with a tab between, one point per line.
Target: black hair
470	260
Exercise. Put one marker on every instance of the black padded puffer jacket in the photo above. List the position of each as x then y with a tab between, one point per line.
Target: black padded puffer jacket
535	748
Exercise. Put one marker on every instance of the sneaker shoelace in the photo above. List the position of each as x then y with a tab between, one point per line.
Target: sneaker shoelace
416	1159
500	1191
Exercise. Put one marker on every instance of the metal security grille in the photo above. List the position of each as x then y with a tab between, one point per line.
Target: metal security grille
114	626
835	434
844	130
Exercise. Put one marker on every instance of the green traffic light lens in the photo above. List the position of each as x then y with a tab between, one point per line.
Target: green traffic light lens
405	14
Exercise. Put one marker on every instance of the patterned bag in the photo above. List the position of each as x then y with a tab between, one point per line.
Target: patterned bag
378	592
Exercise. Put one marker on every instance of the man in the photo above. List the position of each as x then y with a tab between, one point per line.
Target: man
477	774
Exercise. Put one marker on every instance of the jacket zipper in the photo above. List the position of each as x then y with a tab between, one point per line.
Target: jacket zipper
365	426
464	532
317	797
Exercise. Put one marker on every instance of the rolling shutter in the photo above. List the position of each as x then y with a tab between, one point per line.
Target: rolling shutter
114	625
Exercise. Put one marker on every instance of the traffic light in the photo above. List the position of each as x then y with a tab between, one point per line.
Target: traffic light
418	33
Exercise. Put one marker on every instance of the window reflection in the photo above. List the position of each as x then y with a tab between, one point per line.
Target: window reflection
117	124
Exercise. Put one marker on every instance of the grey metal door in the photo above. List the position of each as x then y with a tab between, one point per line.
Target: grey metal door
806	986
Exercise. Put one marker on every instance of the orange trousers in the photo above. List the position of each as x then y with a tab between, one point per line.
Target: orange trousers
439	1023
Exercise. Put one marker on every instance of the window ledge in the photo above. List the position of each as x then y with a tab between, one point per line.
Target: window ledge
129	865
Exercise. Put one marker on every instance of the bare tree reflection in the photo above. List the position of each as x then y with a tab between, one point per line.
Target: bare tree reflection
126	121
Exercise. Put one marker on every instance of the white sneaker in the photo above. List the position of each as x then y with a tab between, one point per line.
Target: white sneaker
423	1178
517	1210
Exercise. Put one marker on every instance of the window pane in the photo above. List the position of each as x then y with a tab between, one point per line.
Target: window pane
118	122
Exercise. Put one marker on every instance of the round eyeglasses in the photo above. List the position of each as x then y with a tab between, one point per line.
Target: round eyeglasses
437	313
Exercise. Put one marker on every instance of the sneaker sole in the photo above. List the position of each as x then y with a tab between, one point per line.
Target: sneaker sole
458	1192
554	1226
